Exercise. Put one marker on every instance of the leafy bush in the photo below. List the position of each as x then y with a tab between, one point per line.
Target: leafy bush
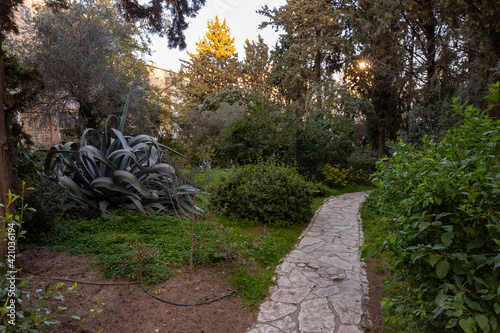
363	162
433	120
324	139
49	201
441	209
262	132
267	192
336	176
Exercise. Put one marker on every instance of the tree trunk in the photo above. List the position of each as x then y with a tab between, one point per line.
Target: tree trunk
429	26
5	182
381	141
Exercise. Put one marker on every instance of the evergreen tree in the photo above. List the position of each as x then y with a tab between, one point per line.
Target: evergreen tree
379	35
311	49
213	66
256	66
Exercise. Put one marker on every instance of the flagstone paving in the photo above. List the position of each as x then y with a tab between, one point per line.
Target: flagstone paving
320	284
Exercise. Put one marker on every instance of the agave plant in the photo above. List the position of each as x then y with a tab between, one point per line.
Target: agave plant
115	170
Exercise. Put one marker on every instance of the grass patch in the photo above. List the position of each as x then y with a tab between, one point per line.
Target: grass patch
126	244
372	234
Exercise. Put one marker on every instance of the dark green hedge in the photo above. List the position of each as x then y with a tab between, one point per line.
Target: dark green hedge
441	207
267	192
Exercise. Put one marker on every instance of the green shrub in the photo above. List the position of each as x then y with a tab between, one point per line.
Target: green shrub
441	209
263	131
363	162
432	120
336	176
323	139
267	192
49	201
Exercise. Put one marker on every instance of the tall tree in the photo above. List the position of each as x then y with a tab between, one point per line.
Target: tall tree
377	71
87	54
477	24
311	48
7	25
256	66
214	65
164	17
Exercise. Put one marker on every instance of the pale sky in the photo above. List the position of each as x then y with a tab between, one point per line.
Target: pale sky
241	18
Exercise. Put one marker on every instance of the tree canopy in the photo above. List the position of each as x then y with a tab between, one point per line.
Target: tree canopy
213	66
88	56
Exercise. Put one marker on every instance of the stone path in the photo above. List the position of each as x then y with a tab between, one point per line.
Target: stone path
320	284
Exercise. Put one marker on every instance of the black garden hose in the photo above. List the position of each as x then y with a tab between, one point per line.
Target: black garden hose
192	304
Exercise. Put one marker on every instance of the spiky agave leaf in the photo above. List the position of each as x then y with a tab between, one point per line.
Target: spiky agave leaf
125	170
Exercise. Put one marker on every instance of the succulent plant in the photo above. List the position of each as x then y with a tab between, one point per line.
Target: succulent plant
116	170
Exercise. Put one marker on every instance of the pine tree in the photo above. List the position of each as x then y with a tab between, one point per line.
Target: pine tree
213	66
310	50
256	66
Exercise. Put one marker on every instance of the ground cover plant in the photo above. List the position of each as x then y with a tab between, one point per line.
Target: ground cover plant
127	245
377	267
441	215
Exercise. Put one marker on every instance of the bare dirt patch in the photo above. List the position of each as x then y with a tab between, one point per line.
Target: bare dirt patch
128	309
372	309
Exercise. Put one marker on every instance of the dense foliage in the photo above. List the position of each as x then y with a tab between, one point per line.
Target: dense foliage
264	130
212	67
82	88
441	209
325	138
266	192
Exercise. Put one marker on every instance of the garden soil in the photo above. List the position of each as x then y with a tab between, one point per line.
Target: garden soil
128	309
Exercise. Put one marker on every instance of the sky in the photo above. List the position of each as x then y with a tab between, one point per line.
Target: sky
241	18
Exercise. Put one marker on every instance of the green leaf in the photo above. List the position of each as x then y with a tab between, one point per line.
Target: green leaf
474	244
440	298
466	324
460	256
482	321
497	261
480	260
452	323
439	247
493	322
434	258
422	226
473	305
442	269
447	238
